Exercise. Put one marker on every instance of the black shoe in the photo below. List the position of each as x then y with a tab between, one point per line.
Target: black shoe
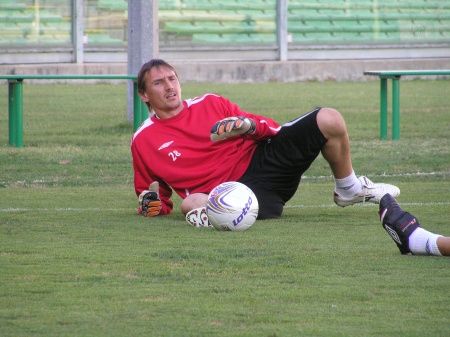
397	223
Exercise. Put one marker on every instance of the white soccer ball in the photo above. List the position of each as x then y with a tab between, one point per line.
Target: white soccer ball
232	206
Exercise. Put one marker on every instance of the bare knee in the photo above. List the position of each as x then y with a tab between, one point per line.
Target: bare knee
192	201
331	123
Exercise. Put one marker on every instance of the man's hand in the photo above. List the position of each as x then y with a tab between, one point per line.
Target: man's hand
149	202
198	217
231	127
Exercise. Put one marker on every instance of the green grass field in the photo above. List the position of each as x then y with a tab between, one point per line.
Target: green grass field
75	259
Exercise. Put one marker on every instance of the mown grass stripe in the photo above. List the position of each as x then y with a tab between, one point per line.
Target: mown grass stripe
98	209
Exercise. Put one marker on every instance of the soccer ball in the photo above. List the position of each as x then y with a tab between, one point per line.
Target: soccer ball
232	206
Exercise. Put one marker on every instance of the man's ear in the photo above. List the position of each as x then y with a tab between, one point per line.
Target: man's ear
144	97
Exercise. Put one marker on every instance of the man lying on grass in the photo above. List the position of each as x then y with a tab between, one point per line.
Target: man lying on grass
191	146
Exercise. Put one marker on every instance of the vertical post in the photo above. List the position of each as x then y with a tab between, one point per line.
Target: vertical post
143	39
11	113
383	108
77	31
282	29
396	108
15	112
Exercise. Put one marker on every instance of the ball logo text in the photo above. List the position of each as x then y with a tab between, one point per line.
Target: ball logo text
244	212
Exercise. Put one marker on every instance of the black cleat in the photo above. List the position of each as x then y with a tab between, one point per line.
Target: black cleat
397	223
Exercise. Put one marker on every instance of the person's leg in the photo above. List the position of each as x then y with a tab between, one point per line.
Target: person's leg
349	188
336	150
443	243
194	200
424	242
404	228
194	207
278	163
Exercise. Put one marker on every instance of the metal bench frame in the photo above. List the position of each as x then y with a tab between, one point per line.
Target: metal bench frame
15	100
394	76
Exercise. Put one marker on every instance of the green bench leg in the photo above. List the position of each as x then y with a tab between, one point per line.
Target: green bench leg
383	109
396	108
144	110
15	112
140	112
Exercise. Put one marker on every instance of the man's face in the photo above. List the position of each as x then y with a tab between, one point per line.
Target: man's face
163	92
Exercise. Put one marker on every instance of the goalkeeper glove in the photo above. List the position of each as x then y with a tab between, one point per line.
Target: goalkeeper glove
149	202
231	127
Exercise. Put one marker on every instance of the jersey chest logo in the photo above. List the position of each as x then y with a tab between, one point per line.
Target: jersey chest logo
165	145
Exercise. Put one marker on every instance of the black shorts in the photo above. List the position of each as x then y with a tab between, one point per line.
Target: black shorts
278	163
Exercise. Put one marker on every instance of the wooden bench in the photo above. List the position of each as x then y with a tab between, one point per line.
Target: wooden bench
394	76
15	100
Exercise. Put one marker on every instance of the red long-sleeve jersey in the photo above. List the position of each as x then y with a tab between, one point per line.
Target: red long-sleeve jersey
179	154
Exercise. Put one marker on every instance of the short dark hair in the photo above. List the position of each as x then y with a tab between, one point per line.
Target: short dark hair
154	63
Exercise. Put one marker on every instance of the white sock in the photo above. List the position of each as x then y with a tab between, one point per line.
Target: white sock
348	186
423	242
